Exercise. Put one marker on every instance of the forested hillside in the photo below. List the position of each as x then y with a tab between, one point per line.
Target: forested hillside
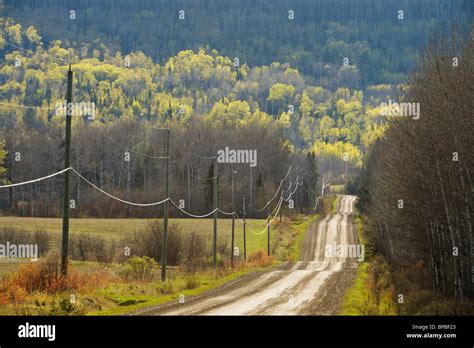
209	101
379	42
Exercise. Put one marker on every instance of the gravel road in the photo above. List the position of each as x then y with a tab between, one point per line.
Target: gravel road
313	286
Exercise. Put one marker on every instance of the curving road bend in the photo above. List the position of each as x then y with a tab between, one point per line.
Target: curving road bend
313	286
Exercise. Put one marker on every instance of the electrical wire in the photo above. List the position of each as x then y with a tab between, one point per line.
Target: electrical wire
193	215
68	61
35	180
116	198
276	193
135	152
25	106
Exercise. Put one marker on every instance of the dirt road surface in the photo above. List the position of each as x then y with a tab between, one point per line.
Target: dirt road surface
313	286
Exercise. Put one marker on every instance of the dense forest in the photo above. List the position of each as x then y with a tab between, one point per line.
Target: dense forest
339	43
417	187
207	100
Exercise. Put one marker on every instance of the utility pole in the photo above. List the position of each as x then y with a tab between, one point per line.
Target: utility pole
281	210
289	209
245	232
67	164
189	189
233	220
166	209
268	230
214	244
251	187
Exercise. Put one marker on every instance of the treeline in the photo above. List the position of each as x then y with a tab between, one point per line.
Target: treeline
126	159
417	191
316	41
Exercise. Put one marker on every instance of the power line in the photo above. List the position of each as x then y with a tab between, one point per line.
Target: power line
297	184
276	210
204	157
193	215
134	203
208	179
20	48
25	106
225	212
35	180
116	198
135	152
68	61
278	189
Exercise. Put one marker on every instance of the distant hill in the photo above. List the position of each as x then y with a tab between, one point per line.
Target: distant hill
380	47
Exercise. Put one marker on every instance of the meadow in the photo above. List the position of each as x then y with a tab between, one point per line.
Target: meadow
115	229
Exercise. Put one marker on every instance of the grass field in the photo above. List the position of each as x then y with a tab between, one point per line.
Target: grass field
113	228
117	228
120	297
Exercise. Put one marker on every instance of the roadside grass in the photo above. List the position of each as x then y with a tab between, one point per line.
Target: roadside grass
118	299
121	298
355	299
372	292
300	227
334	189
10	265
336	200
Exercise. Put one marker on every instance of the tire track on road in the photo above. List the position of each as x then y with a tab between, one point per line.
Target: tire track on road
301	288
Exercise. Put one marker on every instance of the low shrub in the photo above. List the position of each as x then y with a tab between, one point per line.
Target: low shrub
149	242
259	258
45	276
18	236
193	255
192	282
140	268
87	247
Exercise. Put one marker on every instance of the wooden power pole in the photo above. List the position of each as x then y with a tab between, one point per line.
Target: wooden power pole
233	220
245	232
67	164
166	209
214	244
268	230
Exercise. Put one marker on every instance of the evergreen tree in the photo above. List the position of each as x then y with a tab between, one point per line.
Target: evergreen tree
260	192
209	188
310	180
